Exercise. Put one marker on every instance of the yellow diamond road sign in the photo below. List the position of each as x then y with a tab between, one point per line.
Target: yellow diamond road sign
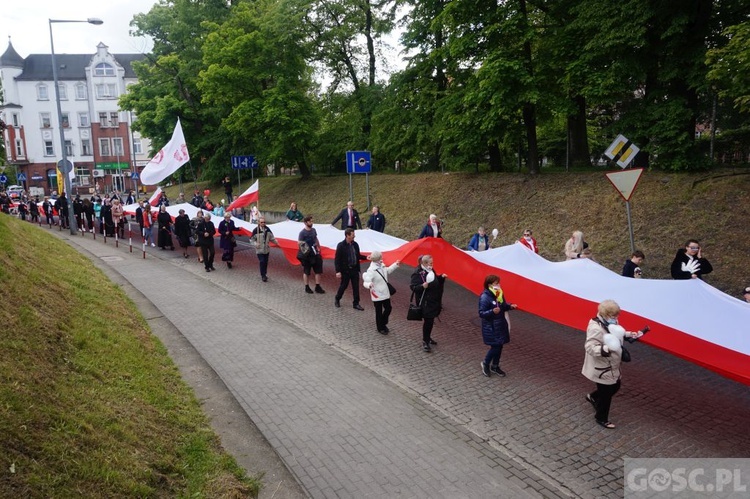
622	151
625	181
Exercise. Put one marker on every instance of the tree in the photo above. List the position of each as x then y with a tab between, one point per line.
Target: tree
730	65
167	85
257	77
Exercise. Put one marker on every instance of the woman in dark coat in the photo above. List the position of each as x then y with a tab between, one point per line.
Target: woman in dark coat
227	241
108	221
182	231
164	220
427	286
495	328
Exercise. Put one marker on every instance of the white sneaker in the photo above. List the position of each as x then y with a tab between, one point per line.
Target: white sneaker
153	245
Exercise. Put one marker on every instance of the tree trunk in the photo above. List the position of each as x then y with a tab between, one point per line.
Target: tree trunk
579	139
496	160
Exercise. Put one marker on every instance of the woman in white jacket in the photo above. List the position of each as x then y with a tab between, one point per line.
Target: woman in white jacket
375	279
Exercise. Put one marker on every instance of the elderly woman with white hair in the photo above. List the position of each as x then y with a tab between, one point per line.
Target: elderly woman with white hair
576	247
376	280
432	229
603	357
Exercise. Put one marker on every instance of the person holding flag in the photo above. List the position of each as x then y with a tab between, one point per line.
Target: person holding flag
251	195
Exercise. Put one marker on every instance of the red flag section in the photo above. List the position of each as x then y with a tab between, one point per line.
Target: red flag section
154	199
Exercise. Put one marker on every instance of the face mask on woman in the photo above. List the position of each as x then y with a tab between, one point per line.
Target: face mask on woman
611	321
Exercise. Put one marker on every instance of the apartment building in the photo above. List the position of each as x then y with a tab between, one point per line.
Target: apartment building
99	140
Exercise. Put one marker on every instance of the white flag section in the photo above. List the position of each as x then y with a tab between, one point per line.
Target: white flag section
688	318
154	199
251	195
168	160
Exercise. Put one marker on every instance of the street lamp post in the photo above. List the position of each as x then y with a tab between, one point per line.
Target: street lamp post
66	166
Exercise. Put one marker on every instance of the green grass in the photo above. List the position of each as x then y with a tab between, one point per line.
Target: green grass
667	209
90	403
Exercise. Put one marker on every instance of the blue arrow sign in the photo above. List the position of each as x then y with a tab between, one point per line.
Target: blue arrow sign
243	162
21	177
135	176
358	162
3	179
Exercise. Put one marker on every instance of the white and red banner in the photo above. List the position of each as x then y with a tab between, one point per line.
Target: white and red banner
168	160
251	195
688	318
154	199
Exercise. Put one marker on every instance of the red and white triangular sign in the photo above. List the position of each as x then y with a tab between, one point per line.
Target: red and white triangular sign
625	181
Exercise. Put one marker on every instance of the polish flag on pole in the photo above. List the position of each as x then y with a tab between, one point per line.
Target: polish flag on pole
247	197
168	160
154	199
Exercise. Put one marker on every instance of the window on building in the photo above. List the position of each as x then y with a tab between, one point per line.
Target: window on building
16	120
83	120
117	147
106	91
82	171
65	120
86	147
63	91
104	147
19	148
41	92
104	69
49	149
68	148
46	120
103	119
114	119
137	147
80	91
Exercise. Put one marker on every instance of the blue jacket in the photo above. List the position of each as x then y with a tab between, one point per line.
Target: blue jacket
474	242
494	326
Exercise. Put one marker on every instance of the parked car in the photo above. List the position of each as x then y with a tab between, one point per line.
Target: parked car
15	191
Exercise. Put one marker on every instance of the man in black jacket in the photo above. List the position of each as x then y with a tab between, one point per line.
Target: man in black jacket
205	232
347	267
349	218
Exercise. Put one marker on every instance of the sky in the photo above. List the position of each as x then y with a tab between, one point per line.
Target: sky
27	25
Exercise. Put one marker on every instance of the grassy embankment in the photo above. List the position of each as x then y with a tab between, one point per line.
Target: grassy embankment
90	403
667	209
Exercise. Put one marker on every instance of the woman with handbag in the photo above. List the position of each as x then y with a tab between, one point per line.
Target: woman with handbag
227	240
376	280
602	361
427	287
495	327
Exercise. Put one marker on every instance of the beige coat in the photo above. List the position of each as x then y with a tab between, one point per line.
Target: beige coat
598	366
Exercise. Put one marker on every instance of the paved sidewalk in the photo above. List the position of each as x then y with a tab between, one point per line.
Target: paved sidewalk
356	413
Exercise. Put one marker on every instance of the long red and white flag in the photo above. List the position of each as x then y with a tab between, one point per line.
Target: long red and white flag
249	196
154	199
168	160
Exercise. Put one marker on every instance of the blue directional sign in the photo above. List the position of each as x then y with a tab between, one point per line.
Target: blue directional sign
3	179
21	177
358	162
135	176
244	162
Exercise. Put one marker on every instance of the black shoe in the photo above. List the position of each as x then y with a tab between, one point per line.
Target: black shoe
318	289
337	303
485	369
358	307
208	270
212	267
591	400
229	265
426	346
433	342
308	290
264	278
498	371
383	331
386	330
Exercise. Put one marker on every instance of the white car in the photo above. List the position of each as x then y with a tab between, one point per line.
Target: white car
15	191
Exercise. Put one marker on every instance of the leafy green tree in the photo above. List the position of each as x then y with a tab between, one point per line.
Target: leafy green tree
257	77
730	66
167	86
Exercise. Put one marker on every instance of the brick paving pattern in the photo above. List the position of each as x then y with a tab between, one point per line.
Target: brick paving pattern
354	413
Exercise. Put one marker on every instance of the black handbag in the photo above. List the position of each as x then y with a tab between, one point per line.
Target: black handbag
391	287
625	355
415	309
